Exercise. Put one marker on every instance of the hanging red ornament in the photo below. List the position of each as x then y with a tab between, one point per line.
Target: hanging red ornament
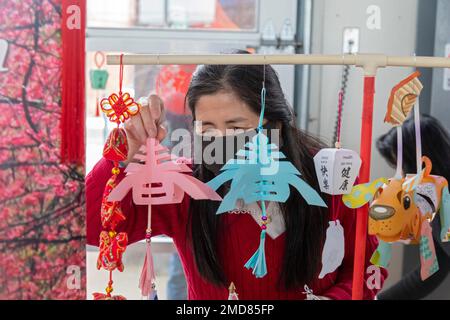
111	212
118	108
116	146
112	246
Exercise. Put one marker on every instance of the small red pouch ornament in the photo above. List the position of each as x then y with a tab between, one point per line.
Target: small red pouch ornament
112	247
111	212
116	146
116	150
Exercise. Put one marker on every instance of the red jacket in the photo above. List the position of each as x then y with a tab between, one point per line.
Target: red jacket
240	238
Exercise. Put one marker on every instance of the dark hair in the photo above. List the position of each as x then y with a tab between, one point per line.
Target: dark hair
435	145
305	225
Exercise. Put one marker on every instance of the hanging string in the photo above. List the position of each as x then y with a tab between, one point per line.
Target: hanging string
344	80
263	106
120	81
263	99
418	136
121	74
258	260
417	128
100	63
261	115
339	119
261	118
399	170
333	211
99	60
109	289
147	278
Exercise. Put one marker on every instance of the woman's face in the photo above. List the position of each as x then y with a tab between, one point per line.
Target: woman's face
223	113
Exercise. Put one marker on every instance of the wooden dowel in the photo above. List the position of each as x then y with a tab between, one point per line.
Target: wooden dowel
360	60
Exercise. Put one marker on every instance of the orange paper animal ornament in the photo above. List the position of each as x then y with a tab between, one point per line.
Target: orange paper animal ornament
398	210
403	210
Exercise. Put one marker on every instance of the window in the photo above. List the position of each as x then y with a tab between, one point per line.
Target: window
173	14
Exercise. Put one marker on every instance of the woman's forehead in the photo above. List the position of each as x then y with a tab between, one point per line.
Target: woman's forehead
223	106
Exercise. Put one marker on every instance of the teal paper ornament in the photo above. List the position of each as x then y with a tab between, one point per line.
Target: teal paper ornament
262	173
99	78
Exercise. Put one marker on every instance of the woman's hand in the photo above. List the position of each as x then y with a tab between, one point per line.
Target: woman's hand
147	123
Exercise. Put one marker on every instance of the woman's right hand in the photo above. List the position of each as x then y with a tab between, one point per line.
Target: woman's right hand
147	123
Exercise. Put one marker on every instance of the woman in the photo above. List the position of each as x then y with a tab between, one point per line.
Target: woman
214	248
436	146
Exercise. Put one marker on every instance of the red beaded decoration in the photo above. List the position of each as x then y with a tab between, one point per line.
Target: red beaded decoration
118	108
148	235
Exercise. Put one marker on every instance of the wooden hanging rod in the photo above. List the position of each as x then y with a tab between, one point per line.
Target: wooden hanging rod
369	62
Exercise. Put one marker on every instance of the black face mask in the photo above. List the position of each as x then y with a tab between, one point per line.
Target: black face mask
216	151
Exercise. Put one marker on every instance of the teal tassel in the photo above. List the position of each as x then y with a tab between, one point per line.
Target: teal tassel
258	261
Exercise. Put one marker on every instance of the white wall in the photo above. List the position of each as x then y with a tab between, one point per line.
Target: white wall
396	37
278	12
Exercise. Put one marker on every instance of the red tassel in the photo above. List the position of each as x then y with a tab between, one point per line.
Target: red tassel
147	278
73	82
